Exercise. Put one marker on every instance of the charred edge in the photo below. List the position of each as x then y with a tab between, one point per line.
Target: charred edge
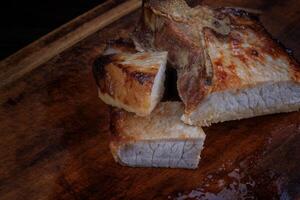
142	78
99	67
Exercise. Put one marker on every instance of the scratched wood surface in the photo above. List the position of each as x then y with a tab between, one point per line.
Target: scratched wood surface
54	135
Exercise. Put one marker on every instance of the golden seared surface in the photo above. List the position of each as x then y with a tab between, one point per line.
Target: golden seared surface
247	56
214	49
129	78
163	123
54	134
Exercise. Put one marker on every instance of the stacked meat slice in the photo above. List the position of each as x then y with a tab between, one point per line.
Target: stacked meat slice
228	68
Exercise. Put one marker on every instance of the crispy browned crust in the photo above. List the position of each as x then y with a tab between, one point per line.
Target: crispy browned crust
264	45
127	83
167	25
186	34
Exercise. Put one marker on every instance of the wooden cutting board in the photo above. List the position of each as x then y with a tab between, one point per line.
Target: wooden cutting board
54	134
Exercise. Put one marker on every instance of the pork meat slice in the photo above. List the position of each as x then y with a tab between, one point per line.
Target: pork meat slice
158	140
130	79
228	66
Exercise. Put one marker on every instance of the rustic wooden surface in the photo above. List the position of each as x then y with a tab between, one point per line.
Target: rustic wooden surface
45	48
54	137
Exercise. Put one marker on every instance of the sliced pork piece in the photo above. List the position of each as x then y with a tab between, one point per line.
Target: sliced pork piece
228	66
132	81
158	140
252	76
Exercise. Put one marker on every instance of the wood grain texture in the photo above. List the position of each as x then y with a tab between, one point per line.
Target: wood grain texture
54	141
64	37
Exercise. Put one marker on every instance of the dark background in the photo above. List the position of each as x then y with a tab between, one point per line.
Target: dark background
24	21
